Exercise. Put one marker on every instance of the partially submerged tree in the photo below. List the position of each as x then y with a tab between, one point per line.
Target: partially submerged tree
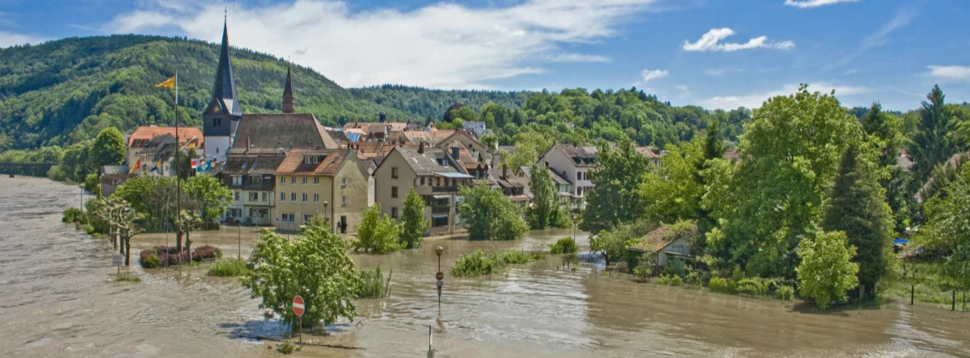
614	200
489	215
413	222
377	232
826	272
858	208
314	265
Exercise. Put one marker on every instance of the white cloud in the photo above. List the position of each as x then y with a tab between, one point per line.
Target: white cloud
711	41
578	57
755	100
806	4
718	72
684	91
650	75
8	39
443	45
902	18
950	72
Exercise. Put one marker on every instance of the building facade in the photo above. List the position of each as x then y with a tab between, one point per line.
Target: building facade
433	174
574	164
328	183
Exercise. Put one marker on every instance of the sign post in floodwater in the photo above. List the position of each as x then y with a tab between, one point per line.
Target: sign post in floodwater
298	309
117	261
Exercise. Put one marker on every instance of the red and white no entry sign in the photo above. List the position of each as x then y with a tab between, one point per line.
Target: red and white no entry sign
298	306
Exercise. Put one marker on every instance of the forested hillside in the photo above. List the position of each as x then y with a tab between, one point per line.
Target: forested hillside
66	91
434	103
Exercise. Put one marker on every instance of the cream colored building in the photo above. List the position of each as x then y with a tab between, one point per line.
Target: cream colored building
331	183
434	174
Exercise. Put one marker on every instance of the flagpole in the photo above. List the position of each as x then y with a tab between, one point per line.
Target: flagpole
178	178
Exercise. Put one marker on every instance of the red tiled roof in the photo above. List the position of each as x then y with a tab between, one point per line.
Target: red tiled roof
186	134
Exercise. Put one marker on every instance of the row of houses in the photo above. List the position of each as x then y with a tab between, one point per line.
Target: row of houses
286	168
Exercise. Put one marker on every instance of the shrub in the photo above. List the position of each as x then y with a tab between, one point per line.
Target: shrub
721	285
480	263
692	278
642	273
663	280
127	277
676	281
149	259
206	253
228	268
285	348
476	263
71	215
754	285
373	285
785	293
564	245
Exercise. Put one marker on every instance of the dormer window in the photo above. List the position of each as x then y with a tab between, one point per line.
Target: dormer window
311	159
216	122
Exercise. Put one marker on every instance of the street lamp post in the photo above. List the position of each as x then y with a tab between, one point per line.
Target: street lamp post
439	276
239	239
325	216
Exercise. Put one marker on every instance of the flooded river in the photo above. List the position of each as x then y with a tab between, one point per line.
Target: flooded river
58	298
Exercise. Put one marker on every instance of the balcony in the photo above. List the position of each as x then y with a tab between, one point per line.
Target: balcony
444	189
440	209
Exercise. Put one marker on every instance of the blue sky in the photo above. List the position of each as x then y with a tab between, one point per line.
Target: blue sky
713	53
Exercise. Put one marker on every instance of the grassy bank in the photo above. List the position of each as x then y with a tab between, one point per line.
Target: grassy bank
928	282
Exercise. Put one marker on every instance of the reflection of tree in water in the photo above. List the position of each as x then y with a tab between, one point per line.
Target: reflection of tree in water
652	318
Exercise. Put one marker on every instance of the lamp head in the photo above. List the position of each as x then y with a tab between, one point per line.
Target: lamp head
438	250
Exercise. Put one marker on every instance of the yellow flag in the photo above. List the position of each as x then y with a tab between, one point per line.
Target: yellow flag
169	83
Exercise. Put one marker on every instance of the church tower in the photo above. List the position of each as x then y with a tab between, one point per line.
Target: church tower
288	106
222	115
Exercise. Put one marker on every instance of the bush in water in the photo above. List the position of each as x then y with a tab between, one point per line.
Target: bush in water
565	245
785	293
228	268
206	253
373	285
480	263
149	259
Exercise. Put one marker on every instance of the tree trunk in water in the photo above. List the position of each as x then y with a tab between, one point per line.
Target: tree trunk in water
178	241
111	235
127	250
188	245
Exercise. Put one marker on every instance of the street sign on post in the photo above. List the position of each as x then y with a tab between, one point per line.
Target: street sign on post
439	276
298	306
298	309
117	261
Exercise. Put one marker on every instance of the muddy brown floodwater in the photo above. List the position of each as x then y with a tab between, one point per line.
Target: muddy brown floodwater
58	298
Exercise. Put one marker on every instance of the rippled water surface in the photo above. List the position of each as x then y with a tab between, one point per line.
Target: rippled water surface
58	298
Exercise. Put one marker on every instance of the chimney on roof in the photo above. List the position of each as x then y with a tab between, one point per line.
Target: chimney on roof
382	117
454	152
421	148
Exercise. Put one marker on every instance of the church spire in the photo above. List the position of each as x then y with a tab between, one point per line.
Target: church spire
224	100
288	106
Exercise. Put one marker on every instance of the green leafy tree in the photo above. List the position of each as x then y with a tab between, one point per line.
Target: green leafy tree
857	208
489	215
617	177
529	145
314	265
545	198
108	149
883	134
459	111
764	206
377	233
92	184
948	227
613	243
212	195
413	223
826	272
673	192
932	144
